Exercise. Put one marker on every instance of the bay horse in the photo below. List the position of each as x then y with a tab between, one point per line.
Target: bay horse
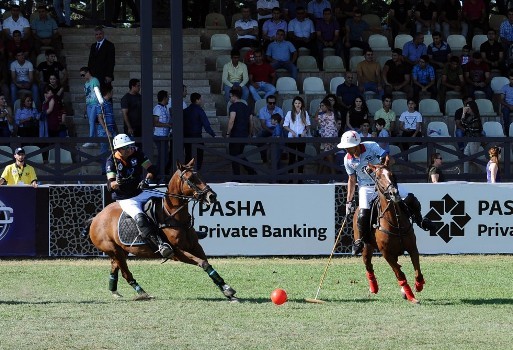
392	233
176	224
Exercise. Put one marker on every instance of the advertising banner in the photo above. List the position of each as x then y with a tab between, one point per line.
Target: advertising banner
268	220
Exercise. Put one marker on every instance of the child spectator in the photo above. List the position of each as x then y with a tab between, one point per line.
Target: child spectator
276	122
380	124
365	130
465	55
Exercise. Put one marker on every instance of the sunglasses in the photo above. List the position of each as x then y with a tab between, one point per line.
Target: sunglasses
271	102
439	158
82	75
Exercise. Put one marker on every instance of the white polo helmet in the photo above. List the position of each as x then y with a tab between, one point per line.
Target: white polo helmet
349	139
122	140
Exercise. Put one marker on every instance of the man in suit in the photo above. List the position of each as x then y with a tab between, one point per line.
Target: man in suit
102	57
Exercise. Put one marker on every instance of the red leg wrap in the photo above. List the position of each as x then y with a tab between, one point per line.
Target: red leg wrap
419	285
406	290
373	283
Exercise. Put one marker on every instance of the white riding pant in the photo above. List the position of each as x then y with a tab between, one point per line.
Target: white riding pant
135	205
366	195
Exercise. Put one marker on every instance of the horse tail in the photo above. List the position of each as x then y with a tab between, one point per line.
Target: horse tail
85	230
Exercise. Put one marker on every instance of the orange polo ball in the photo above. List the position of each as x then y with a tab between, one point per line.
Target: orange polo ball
279	296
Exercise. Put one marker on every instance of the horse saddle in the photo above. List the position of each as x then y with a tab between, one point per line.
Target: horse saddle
127	228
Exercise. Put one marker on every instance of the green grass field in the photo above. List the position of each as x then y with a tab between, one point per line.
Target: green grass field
64	304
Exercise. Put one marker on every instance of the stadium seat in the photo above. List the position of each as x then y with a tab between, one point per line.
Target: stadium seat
333	64
235	18
353	62
252	154
437	129
215	21
374	21
456	41
401	39
313	85
40	59
452	105
37	158
286	106
511	131
429	107
6	158
328	51
66	157
448	157
379	42
382	60
334	83
497	84
220	42
303	51
221	60
307	64
314	106
243	51
394	150
259	104
493	129
485	107
428	39
418	156
399	106
477	40
287	85
374	105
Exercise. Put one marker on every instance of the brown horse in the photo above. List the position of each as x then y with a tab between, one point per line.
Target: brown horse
176	224
393	233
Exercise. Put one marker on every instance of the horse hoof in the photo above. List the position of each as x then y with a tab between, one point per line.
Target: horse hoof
228	291
419	286
116	295
143	296
233	300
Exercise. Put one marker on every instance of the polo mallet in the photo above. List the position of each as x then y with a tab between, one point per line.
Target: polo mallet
315	300
101	101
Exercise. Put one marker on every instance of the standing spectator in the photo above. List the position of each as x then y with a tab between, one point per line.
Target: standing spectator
328	32
91	102
64	21
399	15
471	121
477	76
27	118
507	103
493	167
423	75
19	172
51	67
55	84
291	8
297	123
426	17
493	52
439	51
239	125
302	32
475	15
262	77
282	54
347	92
355	28
44	31
131	106
235	73
396	74
106	124
161	131
506	35
435	174
16	22
16	44
22	77
452	79
451	18
459	130
387	114
194	121
325	119
369	74
412	50
271	26
102	57
410	123
357	115
265	10
316	8
264	115
246	29
53	112
6	118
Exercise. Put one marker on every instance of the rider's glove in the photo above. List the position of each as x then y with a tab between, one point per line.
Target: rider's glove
120	180
350	207
144	184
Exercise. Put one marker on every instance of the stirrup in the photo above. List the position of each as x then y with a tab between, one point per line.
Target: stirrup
166	251
357	247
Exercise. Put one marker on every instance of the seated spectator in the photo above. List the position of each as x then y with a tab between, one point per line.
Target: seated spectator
64	20
477	76
291	7
459	130
410	123
423	76
325	119
347	92
26	118
438	51
265	116
16	22
271	26
249	57
316	7
282	54
465	56
22	77
474	14
338	110
265	10
387	115
506	34
493	52
328	32
355	28
55	85
44	31
399	16
396	74
6	117
357	115
302	32
16	44
344	10
262	77
365	130
246	29
452	78
369	74
473	126
50	67
235	73
451	19
381	131
426	17
412	50
507	103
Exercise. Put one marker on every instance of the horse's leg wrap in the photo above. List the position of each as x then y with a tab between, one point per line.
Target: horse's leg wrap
218	280
373	283
113	281
363	224
419	285
136	287
415	209
150	235
406	289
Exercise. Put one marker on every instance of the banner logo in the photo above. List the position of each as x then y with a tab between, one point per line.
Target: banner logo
449	217
6	219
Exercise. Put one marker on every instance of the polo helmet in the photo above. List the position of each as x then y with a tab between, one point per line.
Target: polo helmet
122	140
349	139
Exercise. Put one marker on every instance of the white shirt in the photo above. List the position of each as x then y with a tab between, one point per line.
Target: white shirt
267	4
163	113
22	71
410	119
245	25
297	126
13	25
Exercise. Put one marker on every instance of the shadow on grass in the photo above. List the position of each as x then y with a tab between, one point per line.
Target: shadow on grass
493	301
17	302
295	300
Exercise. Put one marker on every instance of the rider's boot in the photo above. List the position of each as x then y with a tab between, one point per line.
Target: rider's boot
414	207
149	234
363	224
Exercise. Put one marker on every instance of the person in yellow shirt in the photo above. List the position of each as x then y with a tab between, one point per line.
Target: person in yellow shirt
19	173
